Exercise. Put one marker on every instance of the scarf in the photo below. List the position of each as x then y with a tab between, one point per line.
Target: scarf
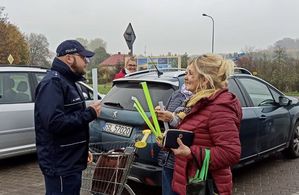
194	99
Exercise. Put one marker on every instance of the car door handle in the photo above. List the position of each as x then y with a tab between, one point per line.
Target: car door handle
262	117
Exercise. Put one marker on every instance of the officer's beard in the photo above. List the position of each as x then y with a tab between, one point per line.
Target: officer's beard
76	68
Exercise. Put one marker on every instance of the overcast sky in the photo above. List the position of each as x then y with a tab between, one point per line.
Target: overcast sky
161	26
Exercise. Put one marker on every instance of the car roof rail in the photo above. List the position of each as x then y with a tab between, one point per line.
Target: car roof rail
25	66
239	70
155	70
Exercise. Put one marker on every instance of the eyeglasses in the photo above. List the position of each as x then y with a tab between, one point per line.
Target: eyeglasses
86	60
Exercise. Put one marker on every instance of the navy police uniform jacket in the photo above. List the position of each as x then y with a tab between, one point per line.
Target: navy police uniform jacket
61	122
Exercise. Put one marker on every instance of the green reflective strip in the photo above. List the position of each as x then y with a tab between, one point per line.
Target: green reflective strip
147	121
151	107
140	110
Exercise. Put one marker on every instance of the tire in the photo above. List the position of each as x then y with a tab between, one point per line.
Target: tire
293	150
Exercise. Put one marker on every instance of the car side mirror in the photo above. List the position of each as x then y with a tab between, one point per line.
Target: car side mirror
284	101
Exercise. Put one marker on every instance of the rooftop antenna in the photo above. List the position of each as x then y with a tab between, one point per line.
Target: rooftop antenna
154	64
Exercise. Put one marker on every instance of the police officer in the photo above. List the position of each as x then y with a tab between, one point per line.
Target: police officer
61	120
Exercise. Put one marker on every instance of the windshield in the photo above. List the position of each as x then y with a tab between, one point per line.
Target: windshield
120	95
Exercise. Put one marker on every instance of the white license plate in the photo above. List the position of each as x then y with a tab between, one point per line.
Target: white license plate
118	129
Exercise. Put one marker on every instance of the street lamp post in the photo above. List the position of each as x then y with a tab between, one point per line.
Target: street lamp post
212	31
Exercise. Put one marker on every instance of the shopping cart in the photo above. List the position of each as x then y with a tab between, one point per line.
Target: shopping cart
108	172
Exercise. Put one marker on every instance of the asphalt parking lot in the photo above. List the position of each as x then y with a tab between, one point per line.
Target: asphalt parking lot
272	176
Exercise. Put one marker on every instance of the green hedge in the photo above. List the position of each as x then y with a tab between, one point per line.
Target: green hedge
104	88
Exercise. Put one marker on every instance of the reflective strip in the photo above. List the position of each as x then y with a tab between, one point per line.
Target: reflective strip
61	184
74	103
73	143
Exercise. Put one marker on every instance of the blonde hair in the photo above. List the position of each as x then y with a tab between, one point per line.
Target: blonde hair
215	69
130	58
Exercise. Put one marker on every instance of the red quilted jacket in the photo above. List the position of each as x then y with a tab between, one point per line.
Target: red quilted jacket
121	74
216	122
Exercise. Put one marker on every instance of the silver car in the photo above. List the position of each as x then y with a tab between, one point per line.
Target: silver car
17	86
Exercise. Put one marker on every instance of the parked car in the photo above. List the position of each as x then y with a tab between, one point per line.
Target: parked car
17	86
270	118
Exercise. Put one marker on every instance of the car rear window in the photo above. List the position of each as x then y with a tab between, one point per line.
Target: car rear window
15	88
120	95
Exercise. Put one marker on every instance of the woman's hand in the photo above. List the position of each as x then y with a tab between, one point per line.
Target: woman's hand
182	150
159	141
164	116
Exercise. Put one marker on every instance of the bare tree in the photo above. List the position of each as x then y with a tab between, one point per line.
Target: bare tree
83	41
38	49
96	43
92	44
3	16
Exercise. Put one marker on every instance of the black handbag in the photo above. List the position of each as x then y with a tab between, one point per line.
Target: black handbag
171	135
200	184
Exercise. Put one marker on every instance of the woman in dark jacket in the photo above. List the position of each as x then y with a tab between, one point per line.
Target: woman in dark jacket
166	156
214	115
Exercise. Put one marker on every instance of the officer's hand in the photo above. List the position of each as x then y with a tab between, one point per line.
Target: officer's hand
96	106
90	157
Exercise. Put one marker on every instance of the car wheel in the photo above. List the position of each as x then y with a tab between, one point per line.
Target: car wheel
293	150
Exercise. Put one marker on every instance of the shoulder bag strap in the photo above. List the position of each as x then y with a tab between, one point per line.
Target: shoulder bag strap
201	173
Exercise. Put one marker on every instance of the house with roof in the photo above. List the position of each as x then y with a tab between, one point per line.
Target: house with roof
110	66
114	62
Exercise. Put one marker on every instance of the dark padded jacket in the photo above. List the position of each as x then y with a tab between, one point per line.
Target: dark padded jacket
215	122
165	157
61	122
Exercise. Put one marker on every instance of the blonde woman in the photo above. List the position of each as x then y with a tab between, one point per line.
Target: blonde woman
214	115
130	67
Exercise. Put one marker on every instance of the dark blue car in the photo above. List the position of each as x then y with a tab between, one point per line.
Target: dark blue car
270	119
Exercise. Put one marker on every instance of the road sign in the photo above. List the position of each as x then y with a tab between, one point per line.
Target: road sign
130	37
10	59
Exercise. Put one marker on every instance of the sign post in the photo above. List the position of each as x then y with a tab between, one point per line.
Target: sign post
130	37
95	83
